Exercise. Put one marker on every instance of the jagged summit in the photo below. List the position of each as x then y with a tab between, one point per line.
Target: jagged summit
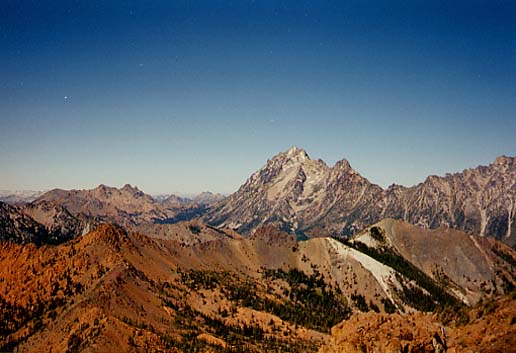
343	165
298	156
306	196
128	187
291	189
505	161
295	151
293	155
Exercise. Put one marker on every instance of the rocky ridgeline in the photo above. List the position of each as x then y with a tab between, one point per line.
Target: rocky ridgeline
307	197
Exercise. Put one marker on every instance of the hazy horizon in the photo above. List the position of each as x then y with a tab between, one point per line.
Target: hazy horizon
189	97
194	193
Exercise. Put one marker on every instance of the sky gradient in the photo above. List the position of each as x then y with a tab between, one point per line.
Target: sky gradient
186	96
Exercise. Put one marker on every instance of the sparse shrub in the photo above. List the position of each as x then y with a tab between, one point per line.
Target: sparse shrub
388	306
377	233
195	229
360	302
374	307
131	342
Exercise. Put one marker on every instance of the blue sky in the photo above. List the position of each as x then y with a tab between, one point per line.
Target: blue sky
196	95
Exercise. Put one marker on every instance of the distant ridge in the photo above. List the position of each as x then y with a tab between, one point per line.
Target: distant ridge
308	198
127	206
17	197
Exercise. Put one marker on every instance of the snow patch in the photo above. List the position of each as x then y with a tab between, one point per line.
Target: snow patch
509	219
483	221
382	273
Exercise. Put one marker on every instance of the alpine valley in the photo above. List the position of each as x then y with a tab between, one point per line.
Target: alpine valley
303	257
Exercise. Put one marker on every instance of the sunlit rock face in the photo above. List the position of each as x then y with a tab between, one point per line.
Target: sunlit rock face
308	197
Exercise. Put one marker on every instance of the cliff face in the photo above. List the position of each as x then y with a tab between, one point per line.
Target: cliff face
306	196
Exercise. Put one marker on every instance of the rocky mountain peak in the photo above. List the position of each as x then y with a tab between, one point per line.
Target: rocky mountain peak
433	180
133	191
297	153
305	195
102	187
291	184
101	190
128	187
505	161
293	156
343	165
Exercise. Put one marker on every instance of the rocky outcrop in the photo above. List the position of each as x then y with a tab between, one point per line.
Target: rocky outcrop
383	333
488	327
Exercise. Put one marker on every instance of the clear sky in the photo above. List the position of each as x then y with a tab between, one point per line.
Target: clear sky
196	95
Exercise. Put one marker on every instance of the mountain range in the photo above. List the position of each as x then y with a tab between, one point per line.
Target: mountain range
303	257
127	206
192	287
307	197
19	196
